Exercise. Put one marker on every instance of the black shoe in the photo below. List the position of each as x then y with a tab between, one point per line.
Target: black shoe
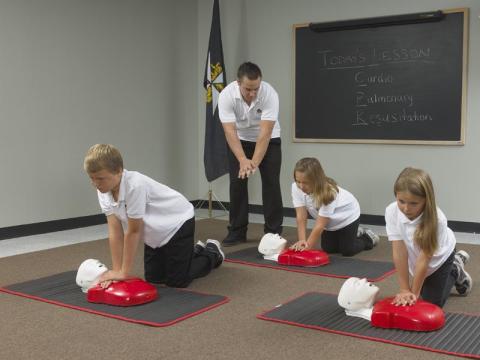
213	246
231	241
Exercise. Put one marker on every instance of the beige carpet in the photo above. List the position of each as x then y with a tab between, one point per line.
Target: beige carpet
35	330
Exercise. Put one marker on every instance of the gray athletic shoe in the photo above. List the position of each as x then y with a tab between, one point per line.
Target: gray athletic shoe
214	247
463	282
199	247
360	231
372	236
465	287
464	256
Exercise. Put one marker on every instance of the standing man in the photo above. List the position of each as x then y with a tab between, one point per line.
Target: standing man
248	110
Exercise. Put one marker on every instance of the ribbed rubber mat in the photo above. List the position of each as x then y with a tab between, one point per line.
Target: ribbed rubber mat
339	267
460	335
173	305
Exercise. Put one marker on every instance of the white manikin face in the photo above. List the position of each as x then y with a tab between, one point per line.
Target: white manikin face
357	294
271	244
89	272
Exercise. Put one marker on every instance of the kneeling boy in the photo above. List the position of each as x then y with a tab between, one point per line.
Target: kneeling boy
139	208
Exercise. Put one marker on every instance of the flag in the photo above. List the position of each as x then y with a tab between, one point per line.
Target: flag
215	148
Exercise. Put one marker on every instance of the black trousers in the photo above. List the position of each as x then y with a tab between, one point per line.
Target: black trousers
271	193
344	241
437	286
175	264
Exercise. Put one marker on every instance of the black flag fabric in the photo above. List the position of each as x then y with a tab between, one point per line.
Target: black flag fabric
215	149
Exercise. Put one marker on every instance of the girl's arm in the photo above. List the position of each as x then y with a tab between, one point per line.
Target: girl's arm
302	217
316	232
400	259
420	274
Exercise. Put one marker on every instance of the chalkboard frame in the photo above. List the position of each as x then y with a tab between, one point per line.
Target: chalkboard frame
463	110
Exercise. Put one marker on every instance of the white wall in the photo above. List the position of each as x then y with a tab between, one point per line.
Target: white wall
129	72
261	31
78	72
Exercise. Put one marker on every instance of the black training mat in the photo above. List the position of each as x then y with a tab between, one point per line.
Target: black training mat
460	335
173	305
339	267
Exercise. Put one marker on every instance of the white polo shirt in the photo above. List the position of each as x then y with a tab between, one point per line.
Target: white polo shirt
342	211
162	209
232	108
399	227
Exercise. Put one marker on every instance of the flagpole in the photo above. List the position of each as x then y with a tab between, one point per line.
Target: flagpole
212	198
214	81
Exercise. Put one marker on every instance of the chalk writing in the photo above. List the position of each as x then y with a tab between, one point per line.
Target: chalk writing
363	58
365	118
363	99
362	78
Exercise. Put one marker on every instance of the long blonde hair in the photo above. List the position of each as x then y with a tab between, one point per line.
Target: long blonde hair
418	182
324	189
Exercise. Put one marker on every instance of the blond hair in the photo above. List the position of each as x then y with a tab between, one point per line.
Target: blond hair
103	157
418	183
324	189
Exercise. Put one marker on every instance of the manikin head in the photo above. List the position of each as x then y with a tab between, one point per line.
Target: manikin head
271	244
89	272
357	294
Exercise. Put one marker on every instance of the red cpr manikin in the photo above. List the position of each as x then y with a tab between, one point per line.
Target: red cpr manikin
306	258
357	297
128	292
421	316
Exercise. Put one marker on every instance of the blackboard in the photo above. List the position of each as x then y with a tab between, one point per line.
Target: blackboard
401	83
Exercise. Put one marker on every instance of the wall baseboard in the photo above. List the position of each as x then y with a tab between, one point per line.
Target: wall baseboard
51	226
84	221
458	226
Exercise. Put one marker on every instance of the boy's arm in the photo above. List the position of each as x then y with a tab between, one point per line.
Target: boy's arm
115	239
132	238
123	249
